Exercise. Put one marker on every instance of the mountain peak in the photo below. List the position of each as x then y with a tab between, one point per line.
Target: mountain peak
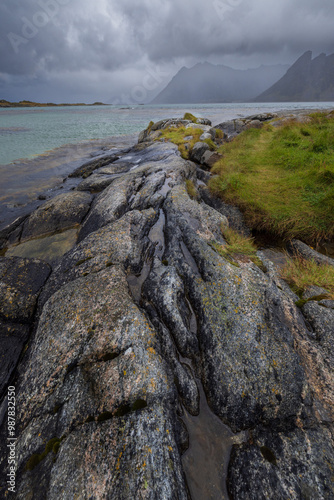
306	80
208	83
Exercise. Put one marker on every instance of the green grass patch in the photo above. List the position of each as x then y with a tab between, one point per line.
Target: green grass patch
300	273
191	189
237	244
282	178
150	125
191	117
211	144
177	135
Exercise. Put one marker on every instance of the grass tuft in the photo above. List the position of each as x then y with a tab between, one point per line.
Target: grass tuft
237	244
191	189
191	117
300	273
177	135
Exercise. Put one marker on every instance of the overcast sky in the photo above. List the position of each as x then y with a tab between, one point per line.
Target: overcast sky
127	50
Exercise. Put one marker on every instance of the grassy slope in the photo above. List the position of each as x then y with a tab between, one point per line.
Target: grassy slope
283	178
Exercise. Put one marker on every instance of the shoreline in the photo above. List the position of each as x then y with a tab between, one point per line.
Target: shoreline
64	160
51	169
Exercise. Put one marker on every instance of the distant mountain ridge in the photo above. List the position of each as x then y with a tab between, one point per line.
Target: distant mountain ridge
306	80
209	83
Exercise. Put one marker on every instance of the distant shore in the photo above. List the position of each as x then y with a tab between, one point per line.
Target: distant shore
30	104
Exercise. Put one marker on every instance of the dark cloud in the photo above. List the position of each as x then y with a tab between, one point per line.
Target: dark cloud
104	48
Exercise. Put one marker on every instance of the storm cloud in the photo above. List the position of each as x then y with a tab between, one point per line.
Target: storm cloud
80	50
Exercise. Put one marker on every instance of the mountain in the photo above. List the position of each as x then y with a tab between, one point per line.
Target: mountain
306	80
205	83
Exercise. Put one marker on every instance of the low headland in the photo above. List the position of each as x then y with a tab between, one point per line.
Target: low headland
30	104
167	324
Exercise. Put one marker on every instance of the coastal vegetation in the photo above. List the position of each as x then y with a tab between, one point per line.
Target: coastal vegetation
191	189
184	138
191	117
282	177
301	273
236	244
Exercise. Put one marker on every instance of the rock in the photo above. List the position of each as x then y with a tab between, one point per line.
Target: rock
61	212
234	216
262	117
205	128
139	324
204	121
203	175
21	281
198	151
241	375
95	183
299	248
173	122
209	158
204	136
233	127
270	455
253	124
94	391
113	202
123	241
12	340
12	232
319	314
88	167
20	284
114	169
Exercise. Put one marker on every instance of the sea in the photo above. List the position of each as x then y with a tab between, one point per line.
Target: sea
39	147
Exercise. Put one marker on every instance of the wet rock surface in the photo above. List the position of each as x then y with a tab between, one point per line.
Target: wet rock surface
142	331
21	281
62	212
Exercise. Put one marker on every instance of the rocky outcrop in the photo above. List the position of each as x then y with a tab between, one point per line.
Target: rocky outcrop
62	212
21	281
234	127
141	321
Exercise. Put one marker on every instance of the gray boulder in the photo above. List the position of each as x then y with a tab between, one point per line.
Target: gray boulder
198	150
88	167
61	212
95	183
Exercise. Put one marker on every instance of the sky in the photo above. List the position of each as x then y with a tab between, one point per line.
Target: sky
126	51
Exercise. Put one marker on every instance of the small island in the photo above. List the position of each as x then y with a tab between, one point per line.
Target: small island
30	104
